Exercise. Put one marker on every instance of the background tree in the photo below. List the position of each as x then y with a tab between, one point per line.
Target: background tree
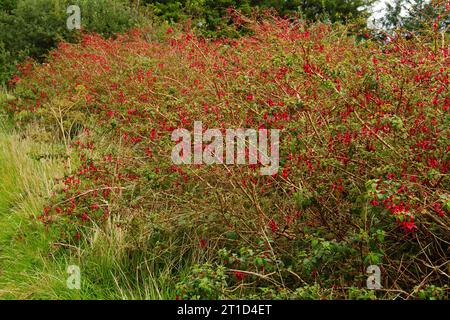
414	15
30	28
333	10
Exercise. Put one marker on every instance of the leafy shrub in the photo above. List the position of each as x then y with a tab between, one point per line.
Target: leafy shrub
432	292
31	28
205	282
7	5
214	11
364	153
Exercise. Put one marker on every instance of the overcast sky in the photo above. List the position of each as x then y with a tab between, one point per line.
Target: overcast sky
379	7
378	10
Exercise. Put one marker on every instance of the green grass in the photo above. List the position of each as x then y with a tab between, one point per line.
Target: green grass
26	270
33	263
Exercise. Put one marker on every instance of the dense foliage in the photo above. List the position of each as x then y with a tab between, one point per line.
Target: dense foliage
413	15
30	28
215	15
311	9
364	175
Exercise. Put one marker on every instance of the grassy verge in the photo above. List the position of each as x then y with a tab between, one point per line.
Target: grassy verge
33	263
25	272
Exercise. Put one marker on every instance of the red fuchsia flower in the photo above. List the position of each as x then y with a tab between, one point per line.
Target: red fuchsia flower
338	185
408	225
288	219
273	226
14	81
437	207
152	134
203	243
169	30
307	69
239	275
370	147
433	162
135	140
149	152
285	173
271	103
435	25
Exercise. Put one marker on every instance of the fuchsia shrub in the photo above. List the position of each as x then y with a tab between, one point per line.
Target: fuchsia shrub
364	146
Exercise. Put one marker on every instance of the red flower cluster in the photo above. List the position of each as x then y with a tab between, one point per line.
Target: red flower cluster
348	113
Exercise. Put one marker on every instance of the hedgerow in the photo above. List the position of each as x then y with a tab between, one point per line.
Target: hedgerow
364	155
32	28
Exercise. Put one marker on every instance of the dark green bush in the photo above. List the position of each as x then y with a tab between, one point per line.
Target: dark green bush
214	12
33	27
7	5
